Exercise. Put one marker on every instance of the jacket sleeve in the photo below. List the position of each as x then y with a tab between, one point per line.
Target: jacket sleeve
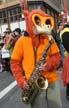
65	71
53	62
17	71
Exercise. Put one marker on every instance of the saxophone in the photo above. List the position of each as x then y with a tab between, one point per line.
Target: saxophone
35	81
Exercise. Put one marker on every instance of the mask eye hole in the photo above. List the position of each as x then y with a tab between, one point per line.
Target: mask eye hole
48	22
37	20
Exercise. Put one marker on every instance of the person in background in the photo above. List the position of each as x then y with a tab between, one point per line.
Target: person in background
59	43
16	35
9	45
6	36
12	39
65	68
5	60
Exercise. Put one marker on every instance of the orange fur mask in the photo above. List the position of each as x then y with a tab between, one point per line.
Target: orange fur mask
32	27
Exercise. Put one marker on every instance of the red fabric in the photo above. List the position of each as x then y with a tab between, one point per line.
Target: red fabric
53	62
36	40
65	71
13	41
17	71
5	40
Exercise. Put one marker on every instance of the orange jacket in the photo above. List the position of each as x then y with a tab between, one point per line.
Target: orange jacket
23	56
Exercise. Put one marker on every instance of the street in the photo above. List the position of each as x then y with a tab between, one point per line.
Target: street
10	93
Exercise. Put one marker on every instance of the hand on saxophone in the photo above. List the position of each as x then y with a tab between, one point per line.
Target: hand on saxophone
43	67
25	85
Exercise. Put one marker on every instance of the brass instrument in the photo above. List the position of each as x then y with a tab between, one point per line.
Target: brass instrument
36	82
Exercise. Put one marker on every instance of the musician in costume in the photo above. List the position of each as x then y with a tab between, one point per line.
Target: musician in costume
27	52
65	69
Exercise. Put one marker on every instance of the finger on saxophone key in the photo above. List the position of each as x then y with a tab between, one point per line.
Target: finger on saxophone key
43	67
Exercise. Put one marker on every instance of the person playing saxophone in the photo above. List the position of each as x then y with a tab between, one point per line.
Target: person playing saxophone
26	54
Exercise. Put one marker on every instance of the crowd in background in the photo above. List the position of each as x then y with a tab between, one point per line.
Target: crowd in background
8	41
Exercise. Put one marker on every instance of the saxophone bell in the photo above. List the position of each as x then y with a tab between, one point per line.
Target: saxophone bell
42	82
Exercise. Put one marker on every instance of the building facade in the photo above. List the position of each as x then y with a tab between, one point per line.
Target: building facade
11	15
